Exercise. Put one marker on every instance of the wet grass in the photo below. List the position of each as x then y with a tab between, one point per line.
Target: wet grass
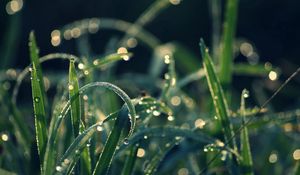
181	116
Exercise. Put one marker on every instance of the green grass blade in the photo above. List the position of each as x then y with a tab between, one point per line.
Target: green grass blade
73	153
39	113
110	147
75	104
218	96
53	132
130	161
109	59
34	56
226	62
155	161
85	160
246	162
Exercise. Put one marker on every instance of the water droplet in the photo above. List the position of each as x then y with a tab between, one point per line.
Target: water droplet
95	62
245	93
167	76
145	137
4	137
167	59
126	141
205	150
71	87
148	111
171	118
37	99
88	144
81	66
58	168
137	116
77	151
66	161
99	128
156	113
30	69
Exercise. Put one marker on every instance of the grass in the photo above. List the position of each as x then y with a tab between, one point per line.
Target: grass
190	120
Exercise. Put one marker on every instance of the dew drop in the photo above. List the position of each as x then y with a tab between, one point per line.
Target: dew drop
205	150
156	113
99	128
58	168
71	87
37	99
126	141
66	161
245	93
77	151
145	137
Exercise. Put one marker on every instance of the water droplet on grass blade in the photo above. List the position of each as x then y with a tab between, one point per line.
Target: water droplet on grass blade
37	99
245	93
58	168
126	141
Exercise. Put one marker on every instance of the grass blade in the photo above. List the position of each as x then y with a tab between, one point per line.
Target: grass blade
246	162
130	161
217	95
34	56
85	160
226	62
39	113
75	104
109	150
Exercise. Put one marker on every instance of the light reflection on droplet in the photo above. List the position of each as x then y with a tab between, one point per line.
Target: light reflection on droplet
75	32
296	154
71	87
131	42
171	118
183	171
4	137
58	168
67	34
167	59
175	100
122	50
273	158
246	49
200	123
55	38
14	6
81	66
175	2
156	113
141	153
273	76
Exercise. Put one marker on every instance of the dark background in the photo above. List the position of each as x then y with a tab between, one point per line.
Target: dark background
272	26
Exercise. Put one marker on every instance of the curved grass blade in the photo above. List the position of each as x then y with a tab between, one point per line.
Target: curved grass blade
39	113
77	148
226	62
246	162
109	150
217	96
75	104
107	23
130	161
53	131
